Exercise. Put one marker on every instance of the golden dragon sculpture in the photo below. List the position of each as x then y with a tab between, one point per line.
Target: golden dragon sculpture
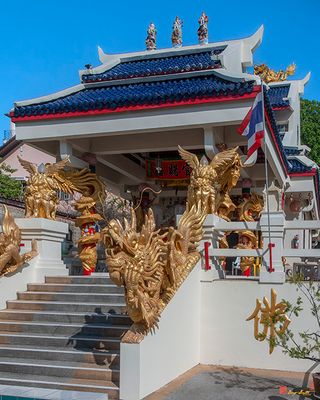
249	210
151	266
269	75
10	240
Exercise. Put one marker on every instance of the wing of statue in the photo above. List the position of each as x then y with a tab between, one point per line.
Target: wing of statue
223	160
28	166
86	182
60	182
190	158
58	166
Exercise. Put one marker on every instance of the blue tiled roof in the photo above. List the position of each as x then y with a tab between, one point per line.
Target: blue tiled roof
112	97
157	66
292	165
297	166
292	151
277	95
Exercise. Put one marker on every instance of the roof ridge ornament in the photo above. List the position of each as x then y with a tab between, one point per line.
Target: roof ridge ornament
269	75
151	37
176	37
203	28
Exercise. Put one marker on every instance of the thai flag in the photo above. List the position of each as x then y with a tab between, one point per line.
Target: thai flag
253	128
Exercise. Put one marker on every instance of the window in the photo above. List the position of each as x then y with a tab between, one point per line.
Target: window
283	127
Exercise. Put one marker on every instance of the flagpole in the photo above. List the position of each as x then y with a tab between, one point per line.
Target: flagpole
270	245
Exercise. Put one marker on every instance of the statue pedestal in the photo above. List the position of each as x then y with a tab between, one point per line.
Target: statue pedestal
49	235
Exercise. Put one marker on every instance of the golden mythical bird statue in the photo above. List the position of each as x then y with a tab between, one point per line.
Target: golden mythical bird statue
10	239
269	75
211	183
87	221
151	266
45	181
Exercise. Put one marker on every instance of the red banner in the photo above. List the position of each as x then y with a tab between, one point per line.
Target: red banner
169	169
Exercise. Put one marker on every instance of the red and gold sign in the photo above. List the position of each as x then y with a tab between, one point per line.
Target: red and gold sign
169	170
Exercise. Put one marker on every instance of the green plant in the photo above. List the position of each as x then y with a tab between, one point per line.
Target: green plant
305	344
9	188
310	127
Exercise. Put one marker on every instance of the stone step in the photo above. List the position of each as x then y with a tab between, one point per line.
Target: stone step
111	298
109	358
119	308
59	368
47	328
63	317
74	288
82	280
29	393
80	342
60	383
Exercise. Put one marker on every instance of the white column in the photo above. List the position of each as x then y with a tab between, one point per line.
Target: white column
213	236
49	235
277	222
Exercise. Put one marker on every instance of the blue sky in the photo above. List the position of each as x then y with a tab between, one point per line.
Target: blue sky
44	43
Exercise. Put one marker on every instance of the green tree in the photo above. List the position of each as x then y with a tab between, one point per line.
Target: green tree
9	188
310	127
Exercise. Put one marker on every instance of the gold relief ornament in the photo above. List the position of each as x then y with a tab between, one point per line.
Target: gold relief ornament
272	317
269	75
10	242
211	183
90	233
45	181
251	208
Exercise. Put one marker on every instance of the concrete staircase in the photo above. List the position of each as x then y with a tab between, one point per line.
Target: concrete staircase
64	334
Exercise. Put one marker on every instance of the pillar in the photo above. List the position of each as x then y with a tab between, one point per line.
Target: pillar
49	235
213	236
277	222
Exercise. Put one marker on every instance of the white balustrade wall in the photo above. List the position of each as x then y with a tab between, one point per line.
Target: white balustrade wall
206	323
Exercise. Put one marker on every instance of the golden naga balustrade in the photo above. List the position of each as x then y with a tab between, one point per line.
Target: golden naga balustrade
152	266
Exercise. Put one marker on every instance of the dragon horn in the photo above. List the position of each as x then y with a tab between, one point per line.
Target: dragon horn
133	219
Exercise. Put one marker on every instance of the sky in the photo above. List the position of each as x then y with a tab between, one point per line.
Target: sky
45	43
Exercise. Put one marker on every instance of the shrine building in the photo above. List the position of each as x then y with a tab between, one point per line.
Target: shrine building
124	121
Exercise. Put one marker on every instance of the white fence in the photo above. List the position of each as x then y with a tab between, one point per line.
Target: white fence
281	233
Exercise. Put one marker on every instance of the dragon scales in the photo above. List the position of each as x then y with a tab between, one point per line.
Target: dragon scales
152	265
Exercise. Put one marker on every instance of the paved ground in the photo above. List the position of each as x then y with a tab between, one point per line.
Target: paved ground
221	383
